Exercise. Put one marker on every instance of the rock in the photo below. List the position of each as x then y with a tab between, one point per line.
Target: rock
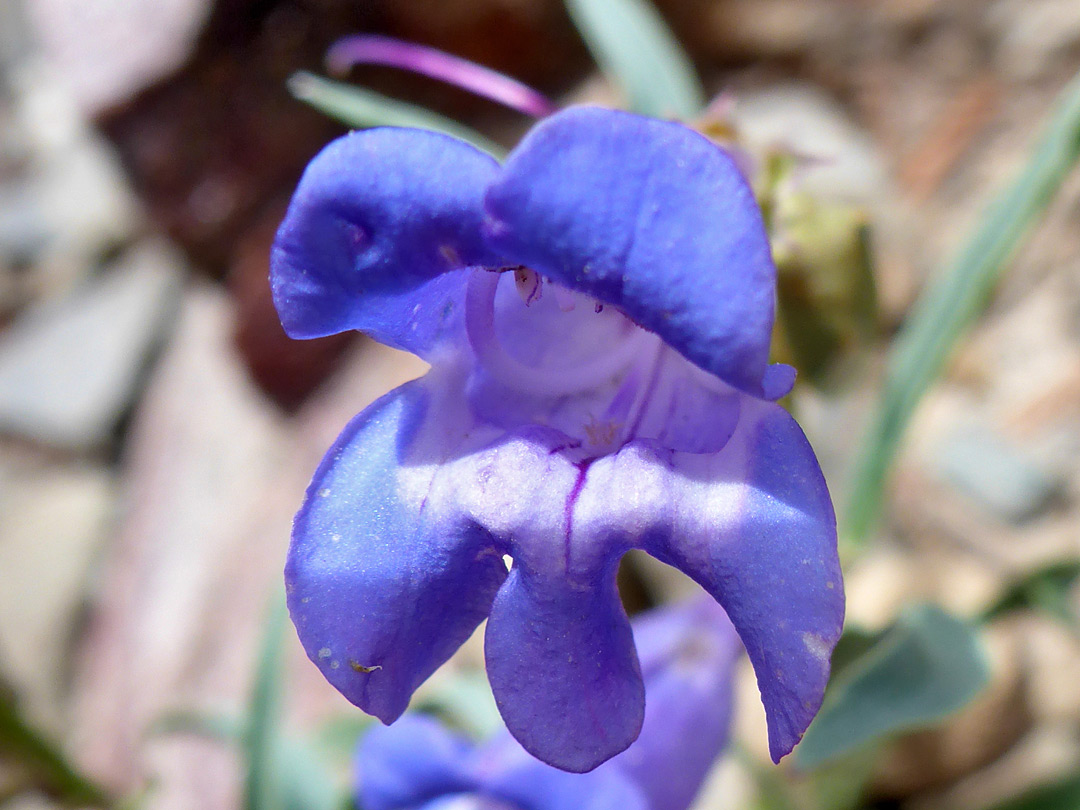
106	52
1033	36
214	474
1053	659
995	473
753	29
842	161
878	585
64	201
69	368
1045	756
969	739
14	41
24	229
184	587
54	517
89	209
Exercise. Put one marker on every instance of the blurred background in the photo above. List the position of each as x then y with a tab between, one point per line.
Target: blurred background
157	428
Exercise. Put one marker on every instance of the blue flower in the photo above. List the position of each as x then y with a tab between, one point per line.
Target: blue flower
597	315
687	656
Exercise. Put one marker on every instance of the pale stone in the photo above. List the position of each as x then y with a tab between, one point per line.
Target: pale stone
844	162
108	51
54	517
69	368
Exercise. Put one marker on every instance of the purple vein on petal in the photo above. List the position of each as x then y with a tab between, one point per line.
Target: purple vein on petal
568	510
379	50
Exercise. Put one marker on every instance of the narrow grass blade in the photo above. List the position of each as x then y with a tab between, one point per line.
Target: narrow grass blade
361	108
635	48
949	305
262	786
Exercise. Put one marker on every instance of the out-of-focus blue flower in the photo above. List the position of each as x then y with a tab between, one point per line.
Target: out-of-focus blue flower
597	314
687	656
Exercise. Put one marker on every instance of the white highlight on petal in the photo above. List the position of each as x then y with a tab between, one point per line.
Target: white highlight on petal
817	646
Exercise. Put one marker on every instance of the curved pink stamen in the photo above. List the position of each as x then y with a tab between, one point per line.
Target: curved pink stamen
379	50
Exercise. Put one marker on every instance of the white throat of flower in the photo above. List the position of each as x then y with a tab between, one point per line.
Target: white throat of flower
553	382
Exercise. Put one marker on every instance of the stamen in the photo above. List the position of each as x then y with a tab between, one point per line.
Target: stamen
645	392
709	381
379	50
553	382
564	298
528	283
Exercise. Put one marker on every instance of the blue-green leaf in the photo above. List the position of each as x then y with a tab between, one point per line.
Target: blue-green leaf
335	739
950	304
638	52
465	701
361	108
927	666
303	781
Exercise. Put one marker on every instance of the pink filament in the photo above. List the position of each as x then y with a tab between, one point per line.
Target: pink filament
379	50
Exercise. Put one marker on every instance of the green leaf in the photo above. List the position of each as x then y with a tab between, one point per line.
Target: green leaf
360	108
949	305
1062	795
29	753
853	644
303	782
1047	589
336	739
927	666
464	701
841	783
635	48
773	791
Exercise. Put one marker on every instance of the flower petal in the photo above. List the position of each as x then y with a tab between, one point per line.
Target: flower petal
559	651
753	524
561	661
409	763
378	223
687	653
755	527
537	786
649	216
382	589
